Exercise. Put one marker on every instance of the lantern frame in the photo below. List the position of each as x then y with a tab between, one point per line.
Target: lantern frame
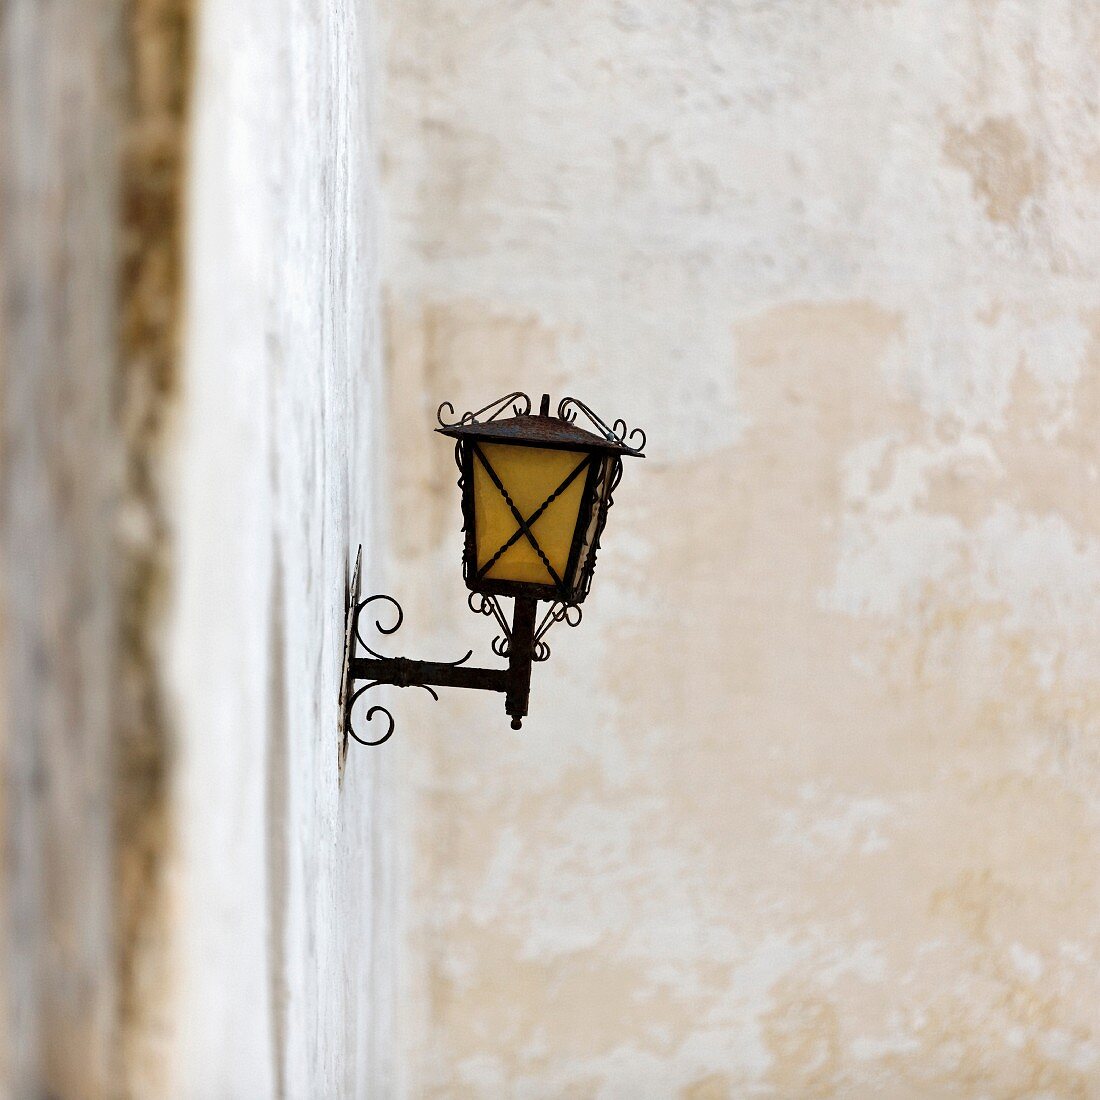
522	642
602	455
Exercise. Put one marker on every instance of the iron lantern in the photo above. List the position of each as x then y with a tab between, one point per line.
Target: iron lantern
535	494
535	491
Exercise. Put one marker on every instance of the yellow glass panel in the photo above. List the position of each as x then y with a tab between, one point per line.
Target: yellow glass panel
530	474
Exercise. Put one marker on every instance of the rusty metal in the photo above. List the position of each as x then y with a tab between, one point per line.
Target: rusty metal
568	613
539	431
481	604
377	669
610	475
522	642
520	402
616	436
521	648
603	454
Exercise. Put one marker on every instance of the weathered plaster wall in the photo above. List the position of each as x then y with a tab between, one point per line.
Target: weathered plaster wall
282	876
93	111
807	806
60	128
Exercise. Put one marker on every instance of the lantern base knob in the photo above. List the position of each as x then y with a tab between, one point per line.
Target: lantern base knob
517	723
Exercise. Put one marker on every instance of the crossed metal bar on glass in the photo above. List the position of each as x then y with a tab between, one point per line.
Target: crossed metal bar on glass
525	525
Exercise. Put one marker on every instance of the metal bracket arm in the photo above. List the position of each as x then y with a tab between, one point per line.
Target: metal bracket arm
403	672
360	673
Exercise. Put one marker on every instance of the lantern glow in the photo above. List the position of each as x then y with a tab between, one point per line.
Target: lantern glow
526	505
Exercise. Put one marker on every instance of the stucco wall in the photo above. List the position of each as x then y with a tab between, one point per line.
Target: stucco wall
807	805
282	869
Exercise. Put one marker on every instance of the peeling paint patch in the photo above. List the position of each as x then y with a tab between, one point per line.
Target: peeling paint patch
1004	170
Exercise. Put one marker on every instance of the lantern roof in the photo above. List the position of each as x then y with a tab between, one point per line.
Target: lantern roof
544	430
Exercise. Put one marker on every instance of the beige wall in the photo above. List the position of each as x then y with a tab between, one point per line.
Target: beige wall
807	805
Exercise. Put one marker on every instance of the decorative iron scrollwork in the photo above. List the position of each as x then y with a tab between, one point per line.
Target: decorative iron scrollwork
349	729
619	432
557	612
519	402
481	604
361	607
398	661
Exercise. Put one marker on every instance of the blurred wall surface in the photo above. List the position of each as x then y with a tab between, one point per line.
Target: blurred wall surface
66	581
195	889
808	804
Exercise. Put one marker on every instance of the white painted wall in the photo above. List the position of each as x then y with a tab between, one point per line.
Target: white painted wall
282	871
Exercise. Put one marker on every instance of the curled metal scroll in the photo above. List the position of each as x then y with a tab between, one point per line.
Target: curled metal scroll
481	604
377	709
619	432
557	612
393	630
519	401
355	695
361	607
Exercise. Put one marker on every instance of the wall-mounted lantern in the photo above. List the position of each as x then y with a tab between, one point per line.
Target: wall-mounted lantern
535	496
